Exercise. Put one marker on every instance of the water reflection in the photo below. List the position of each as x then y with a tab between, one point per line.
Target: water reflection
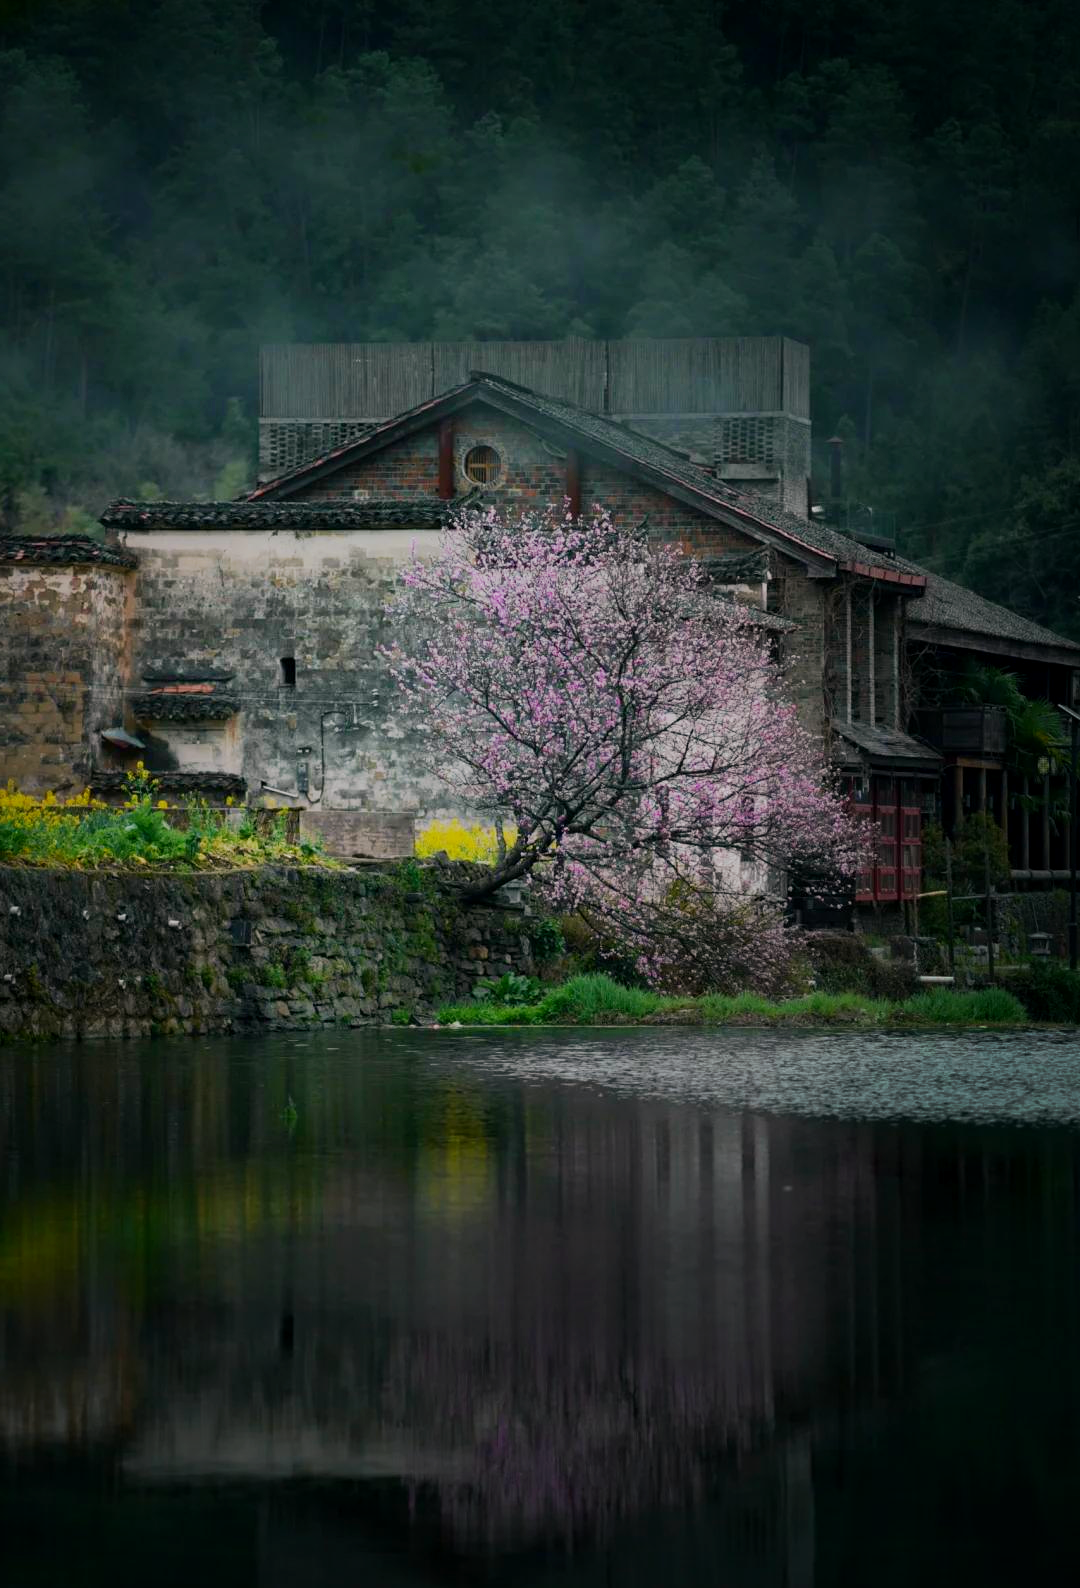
442	1317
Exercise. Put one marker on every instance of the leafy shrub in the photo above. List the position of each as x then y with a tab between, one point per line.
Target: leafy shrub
82	833
508	990
841	961
588	951
583	1000
408	877
546	940
895	979
1049	992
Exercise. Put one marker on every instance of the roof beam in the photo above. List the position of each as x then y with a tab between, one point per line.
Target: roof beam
993	645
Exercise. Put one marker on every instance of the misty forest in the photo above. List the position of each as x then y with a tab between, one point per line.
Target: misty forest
894	182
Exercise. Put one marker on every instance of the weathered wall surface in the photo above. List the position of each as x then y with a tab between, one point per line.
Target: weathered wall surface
85	955
238	601
63	637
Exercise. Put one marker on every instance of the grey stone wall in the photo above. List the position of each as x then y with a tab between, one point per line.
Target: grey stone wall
85	955
236	604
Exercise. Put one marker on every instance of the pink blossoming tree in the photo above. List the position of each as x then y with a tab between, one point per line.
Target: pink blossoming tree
585	683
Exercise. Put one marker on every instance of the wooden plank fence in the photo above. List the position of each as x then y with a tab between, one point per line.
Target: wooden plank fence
704	375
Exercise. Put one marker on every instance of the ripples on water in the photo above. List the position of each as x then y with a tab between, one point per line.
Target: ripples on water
736	1307
980	1076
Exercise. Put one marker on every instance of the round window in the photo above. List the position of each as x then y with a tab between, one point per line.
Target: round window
482	465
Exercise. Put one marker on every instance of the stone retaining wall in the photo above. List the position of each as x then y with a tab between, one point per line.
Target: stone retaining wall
91	955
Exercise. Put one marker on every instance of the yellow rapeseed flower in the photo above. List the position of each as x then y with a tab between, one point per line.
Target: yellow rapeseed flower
460	842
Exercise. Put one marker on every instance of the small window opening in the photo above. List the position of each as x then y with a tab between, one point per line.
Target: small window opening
482	465
288	672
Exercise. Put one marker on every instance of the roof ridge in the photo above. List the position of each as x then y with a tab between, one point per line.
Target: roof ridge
589	413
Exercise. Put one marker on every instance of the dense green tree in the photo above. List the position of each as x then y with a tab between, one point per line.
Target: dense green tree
897	185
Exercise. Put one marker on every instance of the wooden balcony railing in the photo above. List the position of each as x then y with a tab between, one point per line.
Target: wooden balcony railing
980	731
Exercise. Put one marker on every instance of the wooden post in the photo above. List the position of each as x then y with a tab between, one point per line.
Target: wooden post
446	459
1005	802
948	907
989	913
958	795
1046	823
982	791
1074	835
1025	829
847	649
573	481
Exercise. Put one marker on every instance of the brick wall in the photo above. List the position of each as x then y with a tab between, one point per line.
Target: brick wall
533	473
630	501
407	468
887	619
63	639
805	601
863	653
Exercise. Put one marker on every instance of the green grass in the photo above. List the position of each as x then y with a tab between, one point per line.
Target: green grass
581	1001
818	1008
598	1000
585	999
941	1006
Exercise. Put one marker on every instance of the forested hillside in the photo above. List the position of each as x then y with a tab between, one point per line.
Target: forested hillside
895	182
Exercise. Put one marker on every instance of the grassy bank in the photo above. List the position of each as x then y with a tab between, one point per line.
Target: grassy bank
597	1000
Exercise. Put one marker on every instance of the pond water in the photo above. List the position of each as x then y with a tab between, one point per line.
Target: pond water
586	1308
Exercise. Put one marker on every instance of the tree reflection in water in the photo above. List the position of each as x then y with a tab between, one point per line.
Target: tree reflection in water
528	1316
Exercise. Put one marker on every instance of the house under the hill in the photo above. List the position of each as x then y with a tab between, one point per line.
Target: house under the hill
238	641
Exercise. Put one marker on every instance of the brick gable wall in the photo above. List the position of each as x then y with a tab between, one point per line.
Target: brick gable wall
533	474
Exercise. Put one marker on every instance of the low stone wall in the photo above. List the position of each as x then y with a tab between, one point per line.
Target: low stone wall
91	955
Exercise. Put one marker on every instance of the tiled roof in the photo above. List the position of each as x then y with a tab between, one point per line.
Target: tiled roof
64	551
662	464
881	745
736	567
655	455
764	620
184	702
406	512
179	783
950	606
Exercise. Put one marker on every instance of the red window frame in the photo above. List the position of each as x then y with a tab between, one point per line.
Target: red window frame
860	803
895	872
